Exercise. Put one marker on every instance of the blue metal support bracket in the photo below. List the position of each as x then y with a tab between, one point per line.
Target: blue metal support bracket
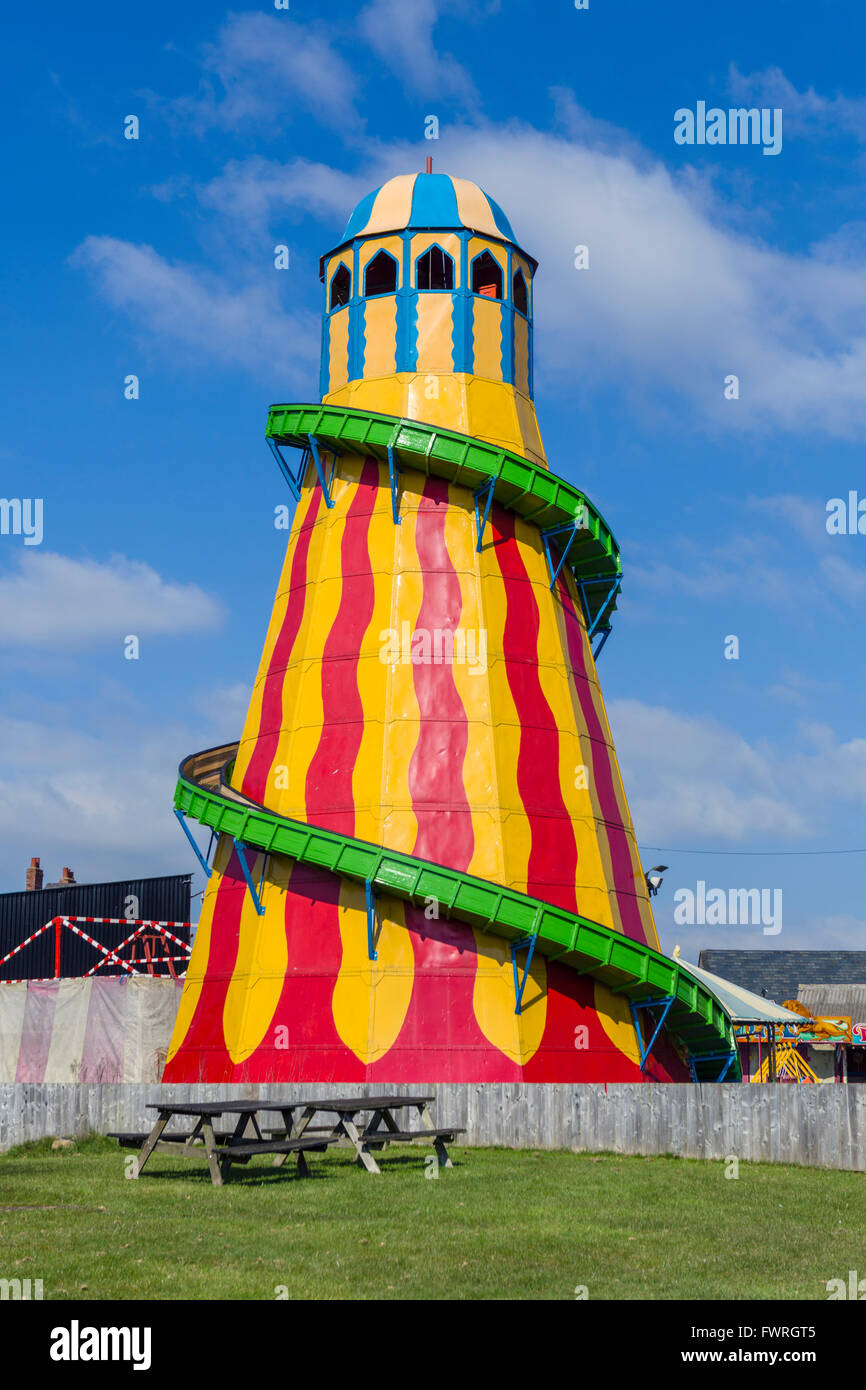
579	524
727	1058
294	487
317	458
666	1000
256	896
520	985
613	581
372	953
393	470
605	633
202	859
486	490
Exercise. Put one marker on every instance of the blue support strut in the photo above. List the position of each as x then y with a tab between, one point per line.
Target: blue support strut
393	470
666	1000
520	985
579	524
605	633
284	469
242	857
317	459
188	833
485	490
371	920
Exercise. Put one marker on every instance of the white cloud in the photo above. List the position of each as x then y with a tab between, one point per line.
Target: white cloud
261	68
52	601
675	298
402	35
807	111
226	708
760	567
251	192
100	802
199	313
691	778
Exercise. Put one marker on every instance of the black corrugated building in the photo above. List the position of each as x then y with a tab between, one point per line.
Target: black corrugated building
163	899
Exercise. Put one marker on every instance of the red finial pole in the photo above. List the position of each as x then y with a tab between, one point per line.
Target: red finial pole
429	164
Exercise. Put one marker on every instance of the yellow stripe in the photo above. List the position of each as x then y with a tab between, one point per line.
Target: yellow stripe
338	349
392	206
487	337
257	982
516	838
521	354
302	688
371	997
372	672
435	333
399	828
592	886
489	410
473	207
479	766
380	336
517	1035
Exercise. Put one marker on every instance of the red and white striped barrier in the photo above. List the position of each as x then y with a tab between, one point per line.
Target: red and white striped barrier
141	924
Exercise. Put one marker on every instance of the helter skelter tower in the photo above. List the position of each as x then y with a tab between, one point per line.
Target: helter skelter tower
424	867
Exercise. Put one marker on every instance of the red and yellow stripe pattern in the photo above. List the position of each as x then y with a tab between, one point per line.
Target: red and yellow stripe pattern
497	762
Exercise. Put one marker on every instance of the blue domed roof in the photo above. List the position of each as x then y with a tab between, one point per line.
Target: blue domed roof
428	201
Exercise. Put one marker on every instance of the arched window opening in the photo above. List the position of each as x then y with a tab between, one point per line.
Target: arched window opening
487	276
341	286
381	275
521	296
435	270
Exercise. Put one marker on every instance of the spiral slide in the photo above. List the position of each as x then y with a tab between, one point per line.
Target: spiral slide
326	956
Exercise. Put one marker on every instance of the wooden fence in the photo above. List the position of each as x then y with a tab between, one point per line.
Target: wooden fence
816	1126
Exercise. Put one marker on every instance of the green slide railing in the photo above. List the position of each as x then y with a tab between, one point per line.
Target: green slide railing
533	492
694	1017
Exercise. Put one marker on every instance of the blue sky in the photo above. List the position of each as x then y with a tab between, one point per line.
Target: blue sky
155	257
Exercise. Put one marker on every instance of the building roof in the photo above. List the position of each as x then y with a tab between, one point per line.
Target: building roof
428	201
835	1001
741	1004
781	973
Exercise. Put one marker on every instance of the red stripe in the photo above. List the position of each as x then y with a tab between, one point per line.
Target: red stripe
602	775
203	1055
271	722
311	1049
552	863
328	792
436	769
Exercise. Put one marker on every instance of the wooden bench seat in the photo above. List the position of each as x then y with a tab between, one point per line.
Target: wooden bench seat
247	1148
135	1141
403	1136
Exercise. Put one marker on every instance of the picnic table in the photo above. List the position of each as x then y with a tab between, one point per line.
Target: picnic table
378	1133
223	1147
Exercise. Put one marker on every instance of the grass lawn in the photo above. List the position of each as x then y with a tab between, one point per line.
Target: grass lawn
500	1224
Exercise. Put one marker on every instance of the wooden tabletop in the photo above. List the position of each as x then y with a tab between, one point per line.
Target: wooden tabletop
249	1107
